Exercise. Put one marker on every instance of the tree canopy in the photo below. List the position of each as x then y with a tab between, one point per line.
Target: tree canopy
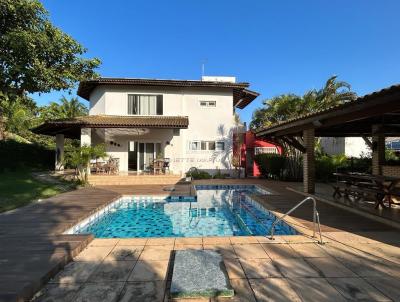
36	56
287	106
65	109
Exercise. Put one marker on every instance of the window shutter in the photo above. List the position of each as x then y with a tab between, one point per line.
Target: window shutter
160	104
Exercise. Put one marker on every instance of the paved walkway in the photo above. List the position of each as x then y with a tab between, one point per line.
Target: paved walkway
32	247
363	252
325	191
294	269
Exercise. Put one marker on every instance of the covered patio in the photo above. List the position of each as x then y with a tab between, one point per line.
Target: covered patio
373	117
135	144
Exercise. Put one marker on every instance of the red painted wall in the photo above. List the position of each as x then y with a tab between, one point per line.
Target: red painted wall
247	152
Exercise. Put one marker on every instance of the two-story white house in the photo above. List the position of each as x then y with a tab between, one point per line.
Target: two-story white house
189	123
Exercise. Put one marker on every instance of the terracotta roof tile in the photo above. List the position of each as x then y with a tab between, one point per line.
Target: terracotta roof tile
160	121
71	127
241	96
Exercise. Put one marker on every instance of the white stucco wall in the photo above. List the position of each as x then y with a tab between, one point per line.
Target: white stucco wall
97	101
350	146
205	124
356	147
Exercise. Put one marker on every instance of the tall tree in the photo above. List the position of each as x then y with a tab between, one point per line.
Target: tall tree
36	56
288	106
65	109
18	113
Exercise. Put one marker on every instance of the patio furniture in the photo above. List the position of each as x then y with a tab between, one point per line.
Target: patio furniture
158	166
100	168
359	185
166	165
112	166
149	169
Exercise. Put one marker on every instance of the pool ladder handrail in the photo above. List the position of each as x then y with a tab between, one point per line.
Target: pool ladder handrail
315	218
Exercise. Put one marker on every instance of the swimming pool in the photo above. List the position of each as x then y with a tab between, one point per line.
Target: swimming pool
225	210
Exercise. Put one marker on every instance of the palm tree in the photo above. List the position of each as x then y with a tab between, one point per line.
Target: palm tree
72	108
334	93
67	109
277	109
287	106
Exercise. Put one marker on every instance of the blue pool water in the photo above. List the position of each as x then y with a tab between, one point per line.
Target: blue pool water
218	211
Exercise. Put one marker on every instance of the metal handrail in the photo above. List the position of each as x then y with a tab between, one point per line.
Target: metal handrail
315	218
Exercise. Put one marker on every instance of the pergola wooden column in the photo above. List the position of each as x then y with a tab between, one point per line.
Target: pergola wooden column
373	116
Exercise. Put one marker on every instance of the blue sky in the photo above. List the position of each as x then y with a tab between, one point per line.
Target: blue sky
278	46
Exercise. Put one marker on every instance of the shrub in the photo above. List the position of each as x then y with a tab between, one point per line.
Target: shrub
198	174
219	175
392	158
324	168
326	165
15	155
270	164
80	157
362	164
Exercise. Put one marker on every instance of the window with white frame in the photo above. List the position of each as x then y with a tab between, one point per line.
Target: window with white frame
140	104
206	145
262	150
219	146
208	103
195	145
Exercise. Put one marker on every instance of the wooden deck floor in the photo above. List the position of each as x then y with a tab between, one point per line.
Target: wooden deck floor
33	249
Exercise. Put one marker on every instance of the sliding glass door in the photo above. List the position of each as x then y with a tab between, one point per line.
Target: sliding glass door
141	155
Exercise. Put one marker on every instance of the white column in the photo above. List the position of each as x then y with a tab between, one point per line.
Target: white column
86	140
86	136
59	165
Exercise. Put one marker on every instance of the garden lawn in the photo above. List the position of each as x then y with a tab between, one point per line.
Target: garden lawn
20	188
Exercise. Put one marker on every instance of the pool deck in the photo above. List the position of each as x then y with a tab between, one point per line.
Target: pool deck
361	259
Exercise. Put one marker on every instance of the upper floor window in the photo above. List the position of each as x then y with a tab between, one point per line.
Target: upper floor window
140	104
208	103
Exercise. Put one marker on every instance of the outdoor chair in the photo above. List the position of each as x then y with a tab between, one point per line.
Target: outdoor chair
100	168
158	166
166	165
148	169
112	166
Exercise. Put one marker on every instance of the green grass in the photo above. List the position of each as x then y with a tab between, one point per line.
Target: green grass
20	188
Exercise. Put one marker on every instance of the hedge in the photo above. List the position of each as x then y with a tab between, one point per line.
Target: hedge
270	164
15	155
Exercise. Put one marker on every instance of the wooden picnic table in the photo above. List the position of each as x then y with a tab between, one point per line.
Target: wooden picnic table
384	187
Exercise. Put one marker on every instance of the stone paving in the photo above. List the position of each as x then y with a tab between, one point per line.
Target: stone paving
258	269
33	249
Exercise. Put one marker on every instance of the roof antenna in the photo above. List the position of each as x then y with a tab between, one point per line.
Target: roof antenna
203	65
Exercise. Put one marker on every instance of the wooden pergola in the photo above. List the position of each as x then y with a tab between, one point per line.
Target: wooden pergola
376	116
